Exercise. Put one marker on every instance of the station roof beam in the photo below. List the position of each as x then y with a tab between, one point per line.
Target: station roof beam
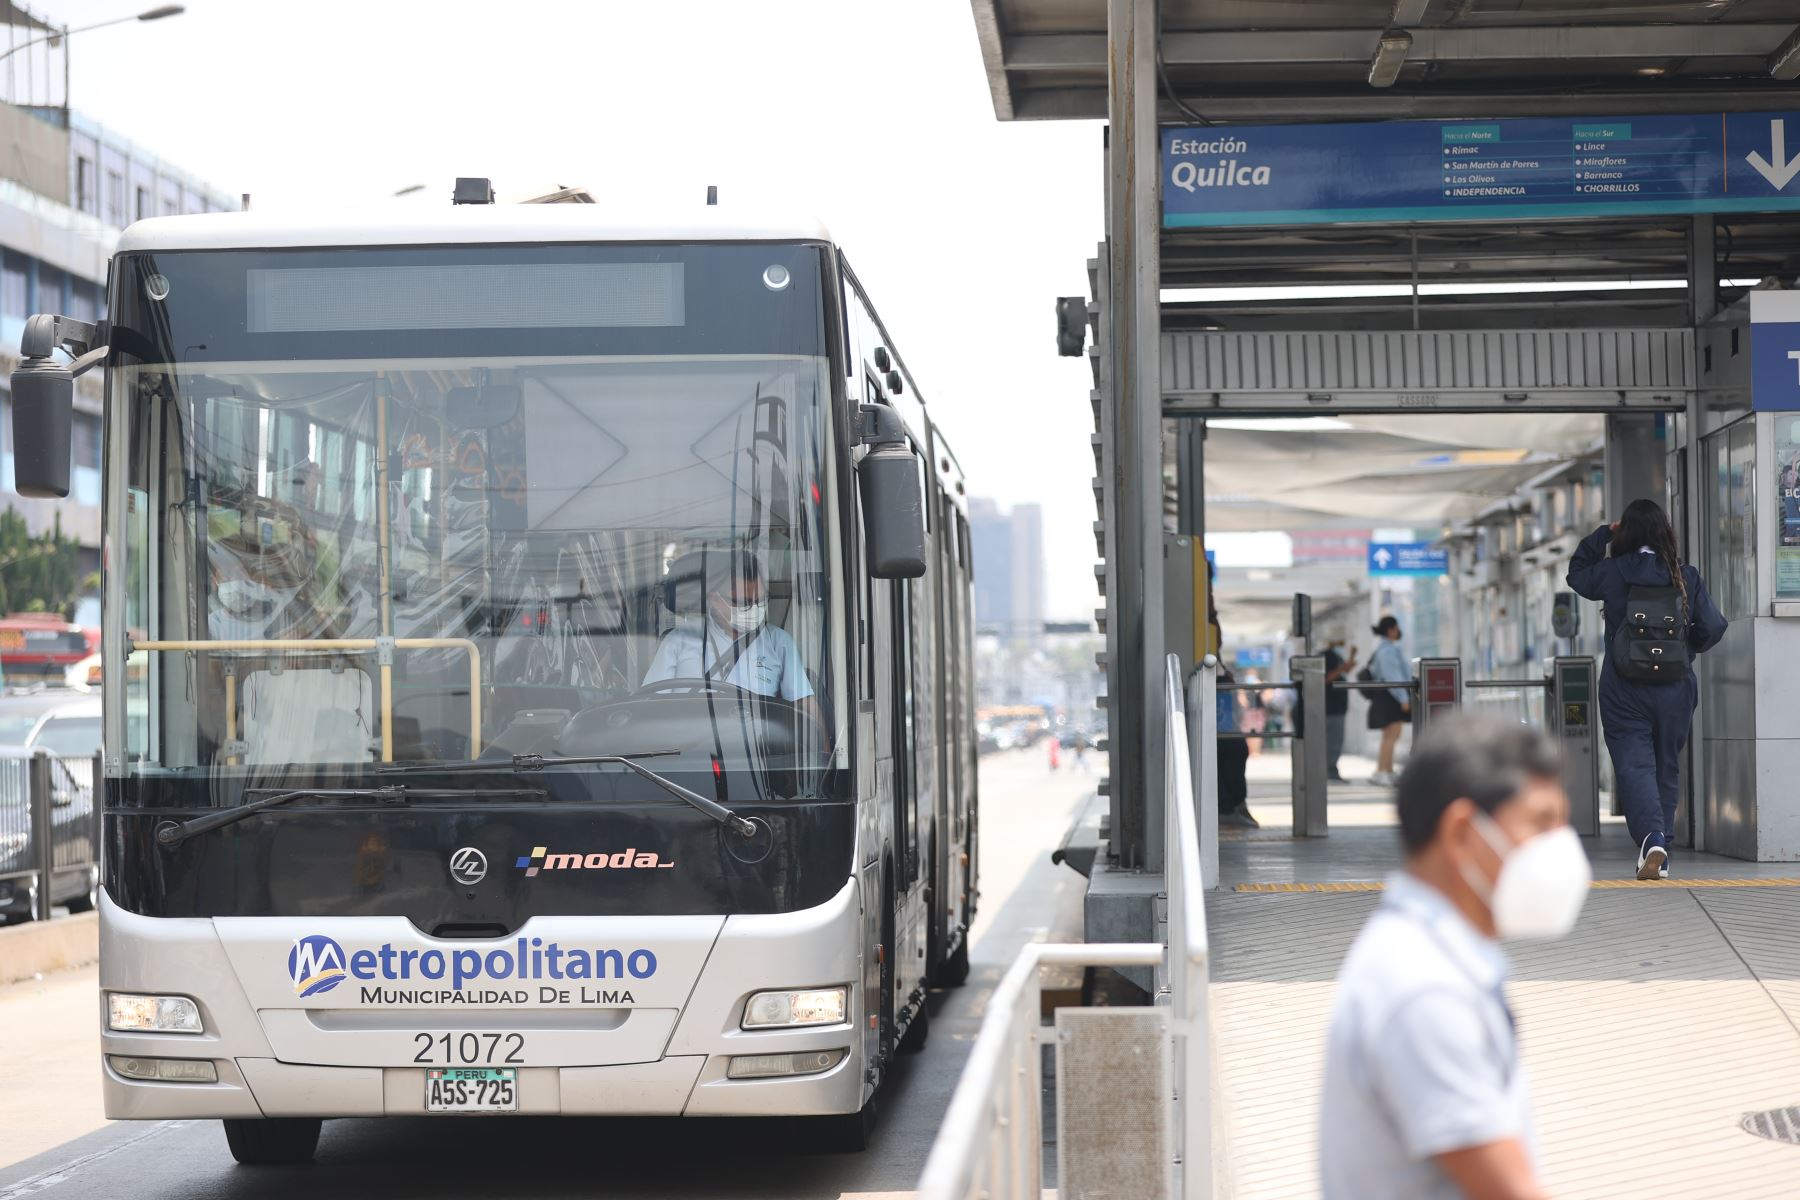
1784	63
1257	61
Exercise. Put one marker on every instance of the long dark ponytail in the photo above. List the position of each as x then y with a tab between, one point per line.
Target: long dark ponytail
1645	524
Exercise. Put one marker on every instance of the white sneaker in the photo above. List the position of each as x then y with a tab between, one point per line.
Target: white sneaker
1652	860
1382	779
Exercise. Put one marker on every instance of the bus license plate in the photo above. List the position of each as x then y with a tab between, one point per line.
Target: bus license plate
471	1090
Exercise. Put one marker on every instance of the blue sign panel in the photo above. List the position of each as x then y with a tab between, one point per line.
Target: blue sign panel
1408	558
1480	170
1255	656
1775	351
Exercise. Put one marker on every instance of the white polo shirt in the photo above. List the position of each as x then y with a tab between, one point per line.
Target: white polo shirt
1422	1057
769	664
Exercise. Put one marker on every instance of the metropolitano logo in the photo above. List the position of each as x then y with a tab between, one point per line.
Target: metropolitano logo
316	965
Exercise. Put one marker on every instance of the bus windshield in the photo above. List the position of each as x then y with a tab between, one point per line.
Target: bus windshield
336	563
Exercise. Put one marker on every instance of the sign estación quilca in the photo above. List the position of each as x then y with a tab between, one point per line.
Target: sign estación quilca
1480	170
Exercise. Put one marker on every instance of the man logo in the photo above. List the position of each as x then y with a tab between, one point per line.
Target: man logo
316	964
468	866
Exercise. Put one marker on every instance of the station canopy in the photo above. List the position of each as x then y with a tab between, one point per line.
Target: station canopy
1254	61
1357	471
1260	62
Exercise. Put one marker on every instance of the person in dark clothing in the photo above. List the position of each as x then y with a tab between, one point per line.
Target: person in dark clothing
1646	724
1233	752
1337	704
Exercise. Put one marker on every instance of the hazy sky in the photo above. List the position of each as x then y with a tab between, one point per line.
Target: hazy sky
873	116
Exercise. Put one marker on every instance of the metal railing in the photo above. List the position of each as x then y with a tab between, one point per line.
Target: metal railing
49	831
1189	953
991	1144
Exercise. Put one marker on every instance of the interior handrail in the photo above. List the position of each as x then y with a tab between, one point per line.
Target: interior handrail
351	645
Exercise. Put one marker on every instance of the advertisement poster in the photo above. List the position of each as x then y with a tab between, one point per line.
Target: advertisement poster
1787	475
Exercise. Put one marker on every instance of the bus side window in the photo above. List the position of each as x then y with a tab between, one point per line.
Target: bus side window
867	624
906	772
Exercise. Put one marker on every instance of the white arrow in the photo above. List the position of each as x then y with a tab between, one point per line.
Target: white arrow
1383	558
1783	169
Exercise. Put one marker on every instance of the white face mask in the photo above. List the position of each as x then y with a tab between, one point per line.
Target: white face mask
1542	885
746	617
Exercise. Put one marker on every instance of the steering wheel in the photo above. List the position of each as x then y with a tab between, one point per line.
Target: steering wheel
693	683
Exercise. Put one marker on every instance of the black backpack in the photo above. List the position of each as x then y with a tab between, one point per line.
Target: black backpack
1652	643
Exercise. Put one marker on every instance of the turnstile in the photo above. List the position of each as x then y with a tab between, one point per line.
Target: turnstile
1308	750
1437	689
1571	717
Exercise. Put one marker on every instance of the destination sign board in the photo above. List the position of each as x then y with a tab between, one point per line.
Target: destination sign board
1480	170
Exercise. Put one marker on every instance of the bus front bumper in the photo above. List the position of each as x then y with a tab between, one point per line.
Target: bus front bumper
273	1058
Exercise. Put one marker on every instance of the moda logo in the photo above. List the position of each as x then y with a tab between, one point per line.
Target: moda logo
316	965
628	859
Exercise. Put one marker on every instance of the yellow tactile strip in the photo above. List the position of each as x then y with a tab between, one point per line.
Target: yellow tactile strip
1786	881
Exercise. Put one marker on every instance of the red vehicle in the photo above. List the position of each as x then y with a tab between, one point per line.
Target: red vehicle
42	646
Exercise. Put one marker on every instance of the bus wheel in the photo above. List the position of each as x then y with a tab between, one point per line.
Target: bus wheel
849	1133
272	1141
955	971
917	1031
89	900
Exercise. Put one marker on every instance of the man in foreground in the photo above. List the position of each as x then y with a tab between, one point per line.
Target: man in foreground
1424	1095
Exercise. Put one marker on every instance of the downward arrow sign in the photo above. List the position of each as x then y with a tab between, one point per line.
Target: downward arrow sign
1783	169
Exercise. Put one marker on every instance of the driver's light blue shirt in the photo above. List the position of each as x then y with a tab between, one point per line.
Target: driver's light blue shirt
770	664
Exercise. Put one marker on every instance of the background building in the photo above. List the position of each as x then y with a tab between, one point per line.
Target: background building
67	187
1009	568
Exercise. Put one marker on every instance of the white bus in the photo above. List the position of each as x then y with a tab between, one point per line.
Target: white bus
554	633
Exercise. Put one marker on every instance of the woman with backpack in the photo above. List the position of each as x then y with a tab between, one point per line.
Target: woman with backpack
1658	617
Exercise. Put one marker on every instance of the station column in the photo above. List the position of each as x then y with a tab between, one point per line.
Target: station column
1134	387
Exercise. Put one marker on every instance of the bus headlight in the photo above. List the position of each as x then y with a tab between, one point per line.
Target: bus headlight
164	1070
130	1013
765	1066
786	1010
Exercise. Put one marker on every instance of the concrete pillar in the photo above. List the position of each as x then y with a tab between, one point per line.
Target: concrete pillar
1134	221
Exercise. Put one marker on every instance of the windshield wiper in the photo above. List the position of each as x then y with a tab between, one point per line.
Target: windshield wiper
171	834
743	826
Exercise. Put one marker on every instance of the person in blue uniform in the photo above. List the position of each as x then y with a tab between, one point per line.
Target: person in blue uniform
1646	724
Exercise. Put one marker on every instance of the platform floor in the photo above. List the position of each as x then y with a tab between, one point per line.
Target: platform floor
1701	981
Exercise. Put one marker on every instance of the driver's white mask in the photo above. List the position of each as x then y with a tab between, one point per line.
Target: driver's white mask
747	617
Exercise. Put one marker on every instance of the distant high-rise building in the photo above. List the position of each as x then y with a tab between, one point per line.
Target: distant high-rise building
1009	567
990	536
1028	569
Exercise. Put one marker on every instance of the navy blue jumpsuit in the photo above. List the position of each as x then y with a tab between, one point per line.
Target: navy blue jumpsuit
1646	724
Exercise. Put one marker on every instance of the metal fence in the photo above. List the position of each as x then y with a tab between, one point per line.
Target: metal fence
991	1143
49	833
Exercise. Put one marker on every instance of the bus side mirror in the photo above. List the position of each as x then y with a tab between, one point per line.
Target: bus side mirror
43	395
892	503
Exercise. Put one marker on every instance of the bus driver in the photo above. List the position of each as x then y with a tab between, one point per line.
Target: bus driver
732	641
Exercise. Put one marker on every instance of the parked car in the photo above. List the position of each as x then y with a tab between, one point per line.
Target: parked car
71	817
67	724
60	720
